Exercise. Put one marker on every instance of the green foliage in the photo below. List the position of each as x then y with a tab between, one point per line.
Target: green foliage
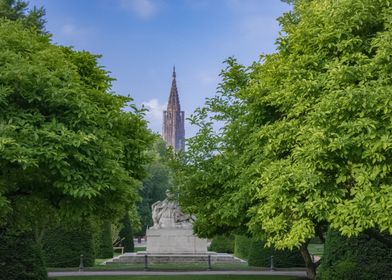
361	258
257	254
79	151
242	246
63	245
20	257
305	138
126	234
157	181
222	244
17	10
105	248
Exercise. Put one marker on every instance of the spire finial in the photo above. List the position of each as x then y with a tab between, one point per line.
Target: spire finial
174	71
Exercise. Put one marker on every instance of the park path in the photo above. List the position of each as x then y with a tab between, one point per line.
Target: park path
113	273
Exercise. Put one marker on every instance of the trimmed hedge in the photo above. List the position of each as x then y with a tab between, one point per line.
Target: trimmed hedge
257	255
242	246
222	244
360	258
63	246
20	258
105	249
126	234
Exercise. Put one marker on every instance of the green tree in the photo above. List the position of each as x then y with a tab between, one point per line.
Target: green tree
305	138
157	181
126	234
105	248
66	143
18	10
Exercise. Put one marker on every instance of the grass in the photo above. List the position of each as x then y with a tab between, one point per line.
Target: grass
182	277
138	249
316	249
162	267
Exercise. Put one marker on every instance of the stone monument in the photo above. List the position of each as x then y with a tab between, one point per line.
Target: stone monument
172	230
171	240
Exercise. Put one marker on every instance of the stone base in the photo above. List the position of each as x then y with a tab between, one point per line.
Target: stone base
174	241
139	258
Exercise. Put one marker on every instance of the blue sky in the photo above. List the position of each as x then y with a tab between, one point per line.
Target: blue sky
141	40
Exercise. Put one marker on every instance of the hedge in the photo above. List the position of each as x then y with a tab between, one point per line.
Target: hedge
242	246
105	248
258	255
20	258
360	258
222	244
126	234
63	246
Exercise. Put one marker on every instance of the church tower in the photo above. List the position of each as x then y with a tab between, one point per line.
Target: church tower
173	119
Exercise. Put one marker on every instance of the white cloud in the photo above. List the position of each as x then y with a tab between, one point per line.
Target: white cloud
144	9
155	114
77	35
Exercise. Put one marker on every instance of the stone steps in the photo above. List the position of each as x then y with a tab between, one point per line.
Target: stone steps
138	258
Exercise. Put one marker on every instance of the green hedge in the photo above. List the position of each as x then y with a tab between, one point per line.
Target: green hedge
20	258
63	246
242	246
360	258
222	244
105	248
257	255
126	234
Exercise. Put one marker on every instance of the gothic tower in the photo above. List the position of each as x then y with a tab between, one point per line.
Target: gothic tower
173	119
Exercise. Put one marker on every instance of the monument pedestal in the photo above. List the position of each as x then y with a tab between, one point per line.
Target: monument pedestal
174	241
171	240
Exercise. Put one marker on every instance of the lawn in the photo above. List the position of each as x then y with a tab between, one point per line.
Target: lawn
316	249
181	277
162	267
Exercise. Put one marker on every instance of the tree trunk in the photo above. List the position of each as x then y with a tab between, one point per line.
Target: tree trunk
310	266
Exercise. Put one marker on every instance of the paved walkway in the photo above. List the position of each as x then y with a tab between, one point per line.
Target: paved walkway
240	272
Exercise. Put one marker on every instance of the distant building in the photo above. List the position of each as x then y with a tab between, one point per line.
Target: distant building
173	119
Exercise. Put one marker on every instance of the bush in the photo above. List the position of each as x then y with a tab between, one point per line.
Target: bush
257	255
360	258
222	244
126	234
20	258
105	250
242	246
63	246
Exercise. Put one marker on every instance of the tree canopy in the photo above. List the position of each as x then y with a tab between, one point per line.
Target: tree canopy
65	139
305	138
17	10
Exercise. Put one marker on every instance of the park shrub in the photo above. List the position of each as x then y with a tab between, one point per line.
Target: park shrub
20	258
126	234
105	248
63	246
257	254
360	258
222	244
242	246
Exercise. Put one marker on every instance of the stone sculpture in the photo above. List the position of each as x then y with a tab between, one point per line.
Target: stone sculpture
168	214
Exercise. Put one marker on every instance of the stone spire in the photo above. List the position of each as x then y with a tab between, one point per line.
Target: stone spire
173	119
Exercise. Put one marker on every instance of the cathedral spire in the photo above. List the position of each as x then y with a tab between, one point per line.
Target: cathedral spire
173	119
174	101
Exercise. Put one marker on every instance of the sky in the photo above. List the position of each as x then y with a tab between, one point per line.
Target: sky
141	40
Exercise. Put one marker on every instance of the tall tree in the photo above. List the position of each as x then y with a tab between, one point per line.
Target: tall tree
65	139
157	181
305	139
18	10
